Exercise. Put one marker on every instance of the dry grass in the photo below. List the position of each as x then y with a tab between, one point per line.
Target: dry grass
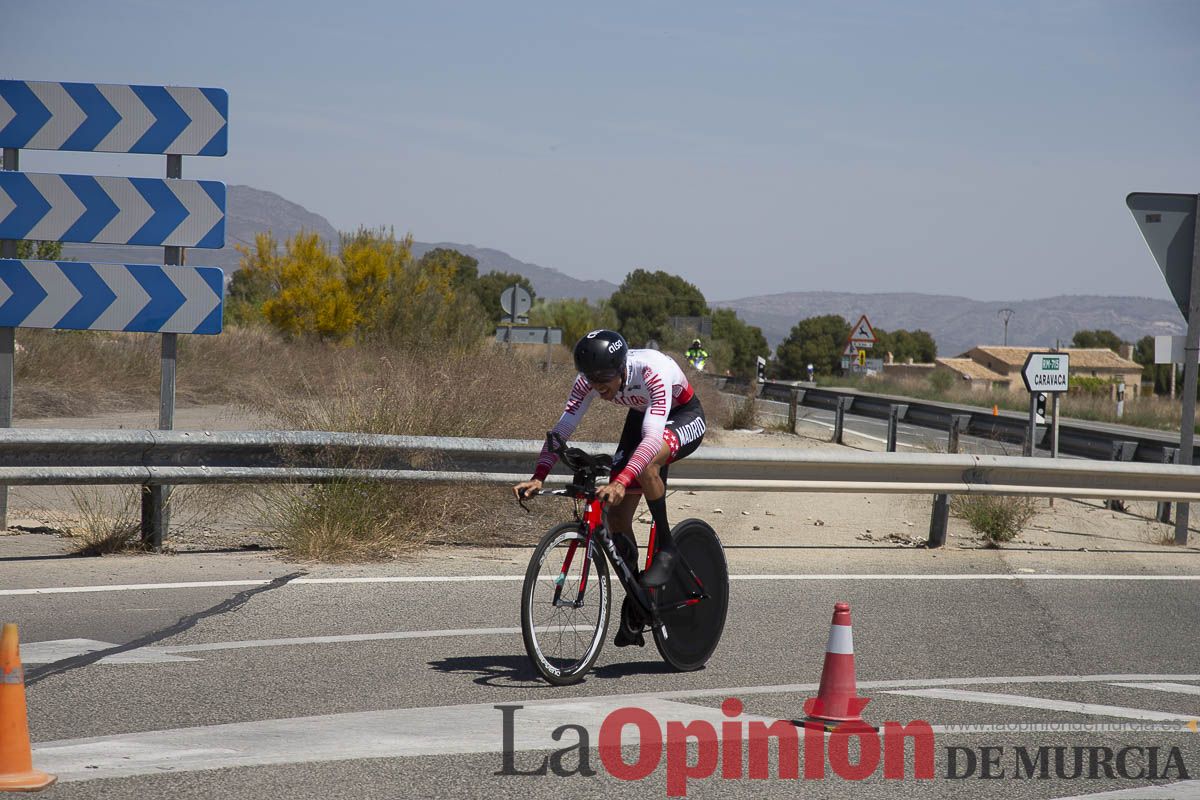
491	391
104	522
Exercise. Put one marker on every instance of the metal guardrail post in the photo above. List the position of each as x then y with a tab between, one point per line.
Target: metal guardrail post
793	409
1170	456
839	418
895	412
1122	450
939	519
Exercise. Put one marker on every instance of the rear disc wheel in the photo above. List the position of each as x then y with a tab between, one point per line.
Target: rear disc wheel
693	631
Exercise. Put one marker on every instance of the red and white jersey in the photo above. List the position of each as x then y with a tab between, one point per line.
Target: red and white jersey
654	384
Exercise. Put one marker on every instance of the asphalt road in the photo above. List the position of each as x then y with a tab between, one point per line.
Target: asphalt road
909	438
238	677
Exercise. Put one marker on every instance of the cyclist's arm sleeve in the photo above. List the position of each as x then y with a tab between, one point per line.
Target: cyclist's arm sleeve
654	422
577	404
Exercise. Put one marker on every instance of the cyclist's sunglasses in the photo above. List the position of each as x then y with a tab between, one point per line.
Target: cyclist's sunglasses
602	377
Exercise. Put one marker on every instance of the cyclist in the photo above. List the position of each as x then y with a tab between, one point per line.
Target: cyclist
696	354
665	423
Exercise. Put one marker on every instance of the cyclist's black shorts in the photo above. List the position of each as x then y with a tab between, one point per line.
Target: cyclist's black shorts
683	434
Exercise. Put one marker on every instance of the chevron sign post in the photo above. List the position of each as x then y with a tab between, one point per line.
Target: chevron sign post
110	297
101	117
86	208
173	213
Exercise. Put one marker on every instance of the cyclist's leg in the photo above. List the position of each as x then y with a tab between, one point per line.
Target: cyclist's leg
683	434
655	490
620	516
620	524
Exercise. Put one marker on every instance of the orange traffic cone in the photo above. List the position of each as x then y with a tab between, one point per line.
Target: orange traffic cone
837	699
16	759
995	410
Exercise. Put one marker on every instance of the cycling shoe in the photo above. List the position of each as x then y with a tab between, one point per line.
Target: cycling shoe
660	569
629	630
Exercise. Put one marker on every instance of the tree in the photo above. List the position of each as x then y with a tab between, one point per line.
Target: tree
373	262
489	287
465	267
903	345
818	341
313	297
575	317
255	282
746	342
1157	374
1097	338
42	251
645	300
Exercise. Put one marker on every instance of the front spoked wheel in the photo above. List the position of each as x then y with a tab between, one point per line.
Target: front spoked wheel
693	630
563	617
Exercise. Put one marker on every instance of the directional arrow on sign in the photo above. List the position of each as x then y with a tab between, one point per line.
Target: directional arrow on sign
113	118
76	295
86	208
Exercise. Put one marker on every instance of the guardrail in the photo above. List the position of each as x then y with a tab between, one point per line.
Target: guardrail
158	458
1087	440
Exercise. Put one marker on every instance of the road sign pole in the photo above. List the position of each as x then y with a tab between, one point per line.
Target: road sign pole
1191	351
155	513
8	345
1054	428
1031	431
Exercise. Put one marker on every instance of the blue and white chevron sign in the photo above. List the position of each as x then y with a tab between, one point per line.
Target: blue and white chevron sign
110	118
89	208
76	295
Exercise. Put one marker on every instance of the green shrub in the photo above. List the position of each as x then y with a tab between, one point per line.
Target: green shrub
998	518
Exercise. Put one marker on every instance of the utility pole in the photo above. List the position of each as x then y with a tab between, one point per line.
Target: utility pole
1006	314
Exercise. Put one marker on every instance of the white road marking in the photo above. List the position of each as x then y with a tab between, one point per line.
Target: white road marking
444	730
1180	688
135	587
1184	790
339	737
1020	701
61	649
56	650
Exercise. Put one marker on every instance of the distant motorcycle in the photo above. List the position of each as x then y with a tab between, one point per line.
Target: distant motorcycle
698	363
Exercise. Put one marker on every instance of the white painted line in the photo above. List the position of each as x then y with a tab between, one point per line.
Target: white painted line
968	577
137	587
1184	790
359	637
445	730
906	683
339	737
1020	701
62	649
1179	688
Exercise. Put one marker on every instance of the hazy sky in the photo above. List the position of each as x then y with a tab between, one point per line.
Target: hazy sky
981	149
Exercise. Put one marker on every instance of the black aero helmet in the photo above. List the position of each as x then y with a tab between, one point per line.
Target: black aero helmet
601	355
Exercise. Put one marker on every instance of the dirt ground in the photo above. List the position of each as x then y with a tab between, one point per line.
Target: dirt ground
756	523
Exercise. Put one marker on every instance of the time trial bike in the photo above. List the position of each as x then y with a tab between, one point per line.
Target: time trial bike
566	596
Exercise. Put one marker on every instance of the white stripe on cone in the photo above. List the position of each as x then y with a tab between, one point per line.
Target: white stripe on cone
841	640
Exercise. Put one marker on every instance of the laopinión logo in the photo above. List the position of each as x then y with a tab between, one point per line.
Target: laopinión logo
728	750
821	747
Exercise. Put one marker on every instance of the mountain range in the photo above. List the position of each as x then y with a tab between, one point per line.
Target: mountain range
956	323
